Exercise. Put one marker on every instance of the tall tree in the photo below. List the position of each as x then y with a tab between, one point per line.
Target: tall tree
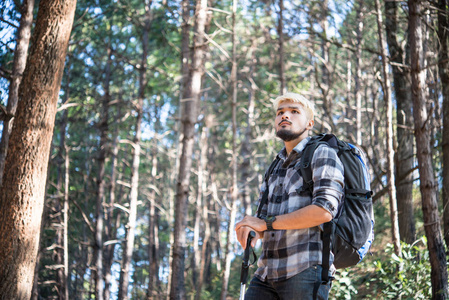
110	229
404	137
439	276
61	205
190	103
143	79
389	117
358	73
19	63
153	231
246	147
443	69
234	189
202	207
101	182
23	188
280	28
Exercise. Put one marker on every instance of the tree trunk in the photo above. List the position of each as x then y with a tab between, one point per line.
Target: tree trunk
325	82
61	204
185	94
153	222
439	276
153	251
65	218
358	74
26	165
129	246
404	136
283	88
191	98
247	176
101	184
234	187
202	207
59	207
110	230
390	150
197	214
19	63
443	69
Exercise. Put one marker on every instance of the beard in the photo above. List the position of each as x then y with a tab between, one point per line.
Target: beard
288	135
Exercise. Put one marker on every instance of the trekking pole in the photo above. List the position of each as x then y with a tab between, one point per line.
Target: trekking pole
245	265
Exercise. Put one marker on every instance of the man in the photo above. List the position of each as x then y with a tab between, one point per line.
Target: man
289	226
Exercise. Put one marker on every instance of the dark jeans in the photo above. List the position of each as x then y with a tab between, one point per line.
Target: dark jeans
299	286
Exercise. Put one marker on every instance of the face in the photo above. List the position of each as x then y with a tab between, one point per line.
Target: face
291	121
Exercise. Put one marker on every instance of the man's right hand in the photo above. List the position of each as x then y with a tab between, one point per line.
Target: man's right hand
242	233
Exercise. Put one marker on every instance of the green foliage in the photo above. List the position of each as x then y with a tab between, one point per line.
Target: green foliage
343	287
413	281
385	281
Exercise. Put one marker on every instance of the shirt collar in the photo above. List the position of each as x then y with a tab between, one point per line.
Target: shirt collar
298	148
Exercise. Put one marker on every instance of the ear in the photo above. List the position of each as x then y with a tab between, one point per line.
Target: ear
310	124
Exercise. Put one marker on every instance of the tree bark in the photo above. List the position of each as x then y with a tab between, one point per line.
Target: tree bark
19	63
404	136
191	99
23	188
390	150
439	276
443	70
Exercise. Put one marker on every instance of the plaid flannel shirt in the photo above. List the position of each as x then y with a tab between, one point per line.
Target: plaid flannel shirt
286	253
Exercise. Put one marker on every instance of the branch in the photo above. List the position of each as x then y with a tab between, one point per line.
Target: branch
399	180
9	23
121	207
344	46
111	242
3	113
86	219
5	73
67	105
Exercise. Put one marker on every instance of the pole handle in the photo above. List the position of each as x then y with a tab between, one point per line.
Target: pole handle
245	261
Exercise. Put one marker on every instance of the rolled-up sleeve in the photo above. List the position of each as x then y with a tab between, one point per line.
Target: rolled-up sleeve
328	179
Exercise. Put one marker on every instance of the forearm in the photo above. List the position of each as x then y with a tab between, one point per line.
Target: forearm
306	217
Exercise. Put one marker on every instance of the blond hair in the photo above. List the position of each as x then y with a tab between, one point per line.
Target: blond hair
296	98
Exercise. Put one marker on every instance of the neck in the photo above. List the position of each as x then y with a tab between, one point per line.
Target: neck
289	145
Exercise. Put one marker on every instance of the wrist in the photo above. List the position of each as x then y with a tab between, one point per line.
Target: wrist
269	222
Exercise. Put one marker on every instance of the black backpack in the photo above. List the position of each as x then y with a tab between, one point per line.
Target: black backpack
350	234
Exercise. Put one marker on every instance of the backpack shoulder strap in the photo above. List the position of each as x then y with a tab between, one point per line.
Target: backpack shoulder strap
306	159
306	173
264	199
